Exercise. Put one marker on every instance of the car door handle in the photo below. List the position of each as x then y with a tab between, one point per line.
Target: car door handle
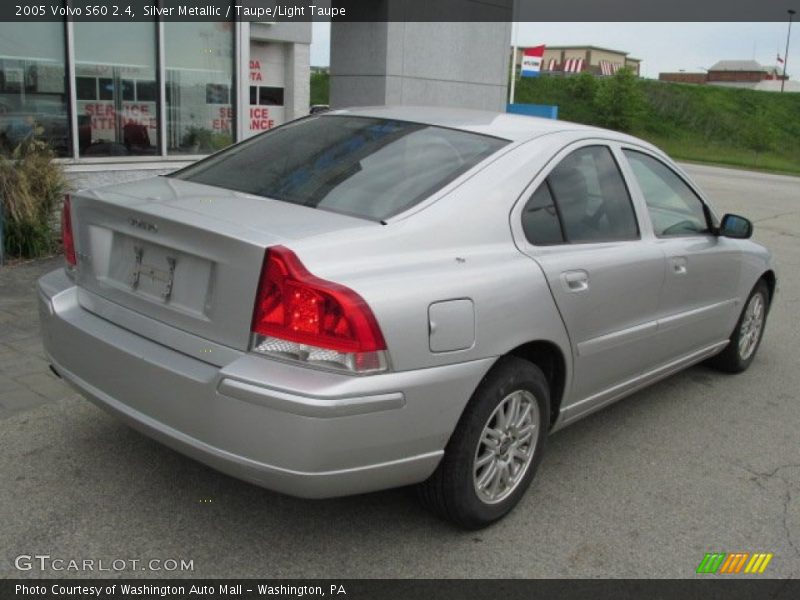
575	281
679	265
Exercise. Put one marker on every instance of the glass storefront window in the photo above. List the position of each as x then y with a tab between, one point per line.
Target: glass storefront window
33	98
199	86
116	89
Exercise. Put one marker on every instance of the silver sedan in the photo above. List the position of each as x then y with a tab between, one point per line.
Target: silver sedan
371	298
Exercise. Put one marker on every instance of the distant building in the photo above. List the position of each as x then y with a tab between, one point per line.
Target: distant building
747	74
590	59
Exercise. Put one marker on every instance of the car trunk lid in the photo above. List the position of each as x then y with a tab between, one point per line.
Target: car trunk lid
186	254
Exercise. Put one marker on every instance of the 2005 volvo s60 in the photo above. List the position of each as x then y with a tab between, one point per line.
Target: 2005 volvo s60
372	298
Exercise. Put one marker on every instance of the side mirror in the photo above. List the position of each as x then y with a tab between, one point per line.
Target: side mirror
734	226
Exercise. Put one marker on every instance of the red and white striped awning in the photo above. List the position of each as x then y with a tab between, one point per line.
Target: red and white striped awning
609	68
552	64
573	65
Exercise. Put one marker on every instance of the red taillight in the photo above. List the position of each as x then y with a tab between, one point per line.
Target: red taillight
66	233
296	306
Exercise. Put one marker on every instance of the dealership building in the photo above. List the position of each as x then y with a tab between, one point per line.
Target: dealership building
118	101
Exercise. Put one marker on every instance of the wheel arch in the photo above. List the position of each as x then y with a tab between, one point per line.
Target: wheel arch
771	281
551	360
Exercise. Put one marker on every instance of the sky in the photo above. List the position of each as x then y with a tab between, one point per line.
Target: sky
662	46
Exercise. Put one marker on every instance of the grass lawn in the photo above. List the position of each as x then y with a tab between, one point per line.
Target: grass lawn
708	124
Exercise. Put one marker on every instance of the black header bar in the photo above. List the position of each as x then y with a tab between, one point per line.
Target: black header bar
704	588
277	11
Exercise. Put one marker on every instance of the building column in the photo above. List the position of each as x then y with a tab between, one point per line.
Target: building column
421	63
297	96
242	70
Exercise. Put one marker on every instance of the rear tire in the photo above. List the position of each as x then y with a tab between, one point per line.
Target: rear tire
496	448
746	337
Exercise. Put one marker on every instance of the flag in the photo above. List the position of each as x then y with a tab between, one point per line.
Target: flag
780	60
532	61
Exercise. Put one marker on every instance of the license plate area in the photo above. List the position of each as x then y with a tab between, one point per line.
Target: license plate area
160	274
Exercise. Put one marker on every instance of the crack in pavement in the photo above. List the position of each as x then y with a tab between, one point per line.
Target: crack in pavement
787	498
778	216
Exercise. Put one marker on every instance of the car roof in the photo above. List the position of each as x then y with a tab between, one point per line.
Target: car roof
517	128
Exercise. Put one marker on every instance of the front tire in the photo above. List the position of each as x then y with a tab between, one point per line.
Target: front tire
496	448
746	337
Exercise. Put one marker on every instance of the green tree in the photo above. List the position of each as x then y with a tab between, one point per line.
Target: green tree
583	86
619	101
320	84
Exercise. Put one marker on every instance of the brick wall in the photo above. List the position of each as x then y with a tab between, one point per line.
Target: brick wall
728	76
698	78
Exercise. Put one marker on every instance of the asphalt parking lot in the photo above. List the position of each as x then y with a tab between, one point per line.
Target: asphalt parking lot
700	462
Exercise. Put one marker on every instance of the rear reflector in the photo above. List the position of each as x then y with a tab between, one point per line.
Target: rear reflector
67	238
304	318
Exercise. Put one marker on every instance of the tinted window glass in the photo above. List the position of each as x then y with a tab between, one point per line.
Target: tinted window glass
86	88
112	122
540	218
367	167
674	208
146	91
270	96
592	198
33	99
199	78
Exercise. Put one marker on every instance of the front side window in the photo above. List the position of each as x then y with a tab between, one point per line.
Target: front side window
366	167
591	197
674	208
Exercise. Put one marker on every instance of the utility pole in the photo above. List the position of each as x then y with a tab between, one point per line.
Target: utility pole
786	54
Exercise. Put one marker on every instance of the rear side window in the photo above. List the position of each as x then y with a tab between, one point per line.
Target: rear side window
584	199
365	167
540	220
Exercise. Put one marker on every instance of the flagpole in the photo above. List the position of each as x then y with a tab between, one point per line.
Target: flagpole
786	54
513	55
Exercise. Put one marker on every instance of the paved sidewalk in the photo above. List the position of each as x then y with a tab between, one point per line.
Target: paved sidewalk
25	379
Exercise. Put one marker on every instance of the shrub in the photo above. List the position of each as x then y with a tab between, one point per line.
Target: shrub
619	101
31	186
584	86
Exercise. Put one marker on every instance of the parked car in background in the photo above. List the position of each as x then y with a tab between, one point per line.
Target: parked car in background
372	298
318	108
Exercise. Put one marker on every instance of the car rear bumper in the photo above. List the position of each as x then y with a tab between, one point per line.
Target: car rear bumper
295	430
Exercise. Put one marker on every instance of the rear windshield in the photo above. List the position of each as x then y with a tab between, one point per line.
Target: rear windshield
365	167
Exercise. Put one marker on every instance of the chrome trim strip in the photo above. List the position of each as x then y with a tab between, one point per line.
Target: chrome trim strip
617	338
690	316
637	332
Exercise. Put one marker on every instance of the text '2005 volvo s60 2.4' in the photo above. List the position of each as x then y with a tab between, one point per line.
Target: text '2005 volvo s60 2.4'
365	299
